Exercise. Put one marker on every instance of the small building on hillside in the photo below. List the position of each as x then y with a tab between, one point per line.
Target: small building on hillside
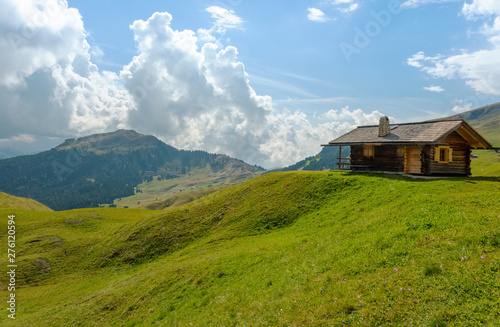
440	147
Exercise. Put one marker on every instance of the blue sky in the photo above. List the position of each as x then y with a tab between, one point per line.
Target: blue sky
266	82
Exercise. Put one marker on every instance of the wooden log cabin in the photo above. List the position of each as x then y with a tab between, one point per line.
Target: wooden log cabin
436	148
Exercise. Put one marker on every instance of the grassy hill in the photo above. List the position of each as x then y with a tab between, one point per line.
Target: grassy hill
283	249
13	202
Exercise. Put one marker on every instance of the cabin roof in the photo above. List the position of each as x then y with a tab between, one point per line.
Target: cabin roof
431	132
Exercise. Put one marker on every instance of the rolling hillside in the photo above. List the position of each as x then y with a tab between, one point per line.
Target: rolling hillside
100	168
283	249
13	202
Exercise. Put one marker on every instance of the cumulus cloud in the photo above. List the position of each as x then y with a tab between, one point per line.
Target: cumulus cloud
480	69
48	85
316	15
433	88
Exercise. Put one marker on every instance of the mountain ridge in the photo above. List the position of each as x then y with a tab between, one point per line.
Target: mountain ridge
99	168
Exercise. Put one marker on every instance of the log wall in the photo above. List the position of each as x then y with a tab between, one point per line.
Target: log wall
414	159
460	164
386	158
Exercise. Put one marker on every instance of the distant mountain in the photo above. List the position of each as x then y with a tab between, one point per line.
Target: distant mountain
9	153
486	120
100	168
327	159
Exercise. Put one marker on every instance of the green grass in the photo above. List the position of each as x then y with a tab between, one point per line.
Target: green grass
486	164
14	202
283	249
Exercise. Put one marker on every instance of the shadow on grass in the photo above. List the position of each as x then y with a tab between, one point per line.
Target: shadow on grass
418	178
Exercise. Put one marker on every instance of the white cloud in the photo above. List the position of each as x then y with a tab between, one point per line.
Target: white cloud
224	19
478	8
411	4
480	69
358	116
25	138
352	7
462	106
345	6
35	36
432	88
316	15
48	85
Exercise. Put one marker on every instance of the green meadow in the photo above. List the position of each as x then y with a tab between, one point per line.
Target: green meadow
486	164
282	249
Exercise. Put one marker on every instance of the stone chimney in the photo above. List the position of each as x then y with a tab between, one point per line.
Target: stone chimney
384	127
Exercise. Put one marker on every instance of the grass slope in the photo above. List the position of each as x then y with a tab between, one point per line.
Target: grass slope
283	249
486	164
13	202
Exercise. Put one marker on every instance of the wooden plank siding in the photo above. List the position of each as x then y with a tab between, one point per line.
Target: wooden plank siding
460	163
385	158
413	160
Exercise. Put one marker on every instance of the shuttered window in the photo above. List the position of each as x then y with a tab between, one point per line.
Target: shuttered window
368	150
443	154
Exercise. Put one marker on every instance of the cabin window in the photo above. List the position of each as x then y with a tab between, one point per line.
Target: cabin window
368	150
443	154
400	151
